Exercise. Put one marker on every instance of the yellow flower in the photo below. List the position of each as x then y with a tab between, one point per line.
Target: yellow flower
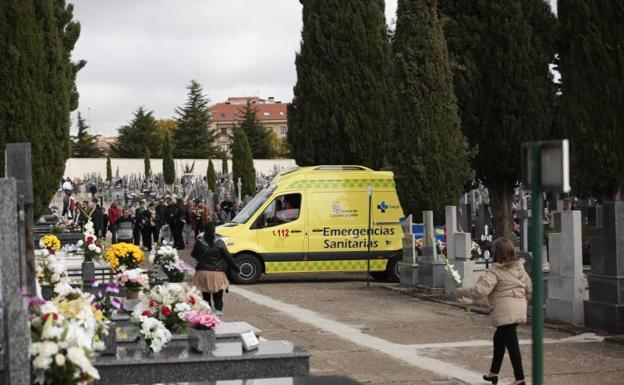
124	254
50	242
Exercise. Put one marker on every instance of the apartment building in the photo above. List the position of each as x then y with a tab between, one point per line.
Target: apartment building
225	115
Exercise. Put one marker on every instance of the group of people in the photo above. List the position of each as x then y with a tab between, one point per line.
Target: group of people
172	219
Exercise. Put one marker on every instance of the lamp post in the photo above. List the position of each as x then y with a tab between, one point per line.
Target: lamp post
545	167
368	254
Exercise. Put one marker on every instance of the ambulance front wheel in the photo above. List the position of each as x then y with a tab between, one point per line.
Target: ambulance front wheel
392	269
250	269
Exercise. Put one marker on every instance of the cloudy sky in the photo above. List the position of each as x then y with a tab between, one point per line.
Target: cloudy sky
144	52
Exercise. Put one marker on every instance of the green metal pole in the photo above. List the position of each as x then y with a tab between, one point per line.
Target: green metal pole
536	241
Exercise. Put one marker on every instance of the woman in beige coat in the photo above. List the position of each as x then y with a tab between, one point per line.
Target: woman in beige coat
507	287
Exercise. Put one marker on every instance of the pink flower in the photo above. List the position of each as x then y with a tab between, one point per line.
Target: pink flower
201	320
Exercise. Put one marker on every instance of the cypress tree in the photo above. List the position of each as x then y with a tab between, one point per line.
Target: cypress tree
429	154
501	51
242	163
224	163
211	177
147	162
193	138
591	63
109	169
168	163
37	86
259	137
140	132
84	145
341	110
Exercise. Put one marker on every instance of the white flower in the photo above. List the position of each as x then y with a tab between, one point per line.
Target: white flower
79	243
41	362
55	277
48	349
98	250
52	333
92	247
79	358
59	359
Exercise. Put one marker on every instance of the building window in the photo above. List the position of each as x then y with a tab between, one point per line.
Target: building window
283	131
281	113
267	114
223	114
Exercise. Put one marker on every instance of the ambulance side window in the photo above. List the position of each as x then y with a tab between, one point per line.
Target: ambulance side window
283	209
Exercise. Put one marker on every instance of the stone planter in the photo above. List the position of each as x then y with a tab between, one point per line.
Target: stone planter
201	341
88	271
132	294
47	292
111	341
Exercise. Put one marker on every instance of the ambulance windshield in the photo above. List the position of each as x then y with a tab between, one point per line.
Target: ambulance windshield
254	204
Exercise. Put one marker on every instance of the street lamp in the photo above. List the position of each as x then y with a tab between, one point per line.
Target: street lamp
545	167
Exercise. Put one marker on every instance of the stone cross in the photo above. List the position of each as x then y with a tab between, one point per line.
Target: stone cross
451	230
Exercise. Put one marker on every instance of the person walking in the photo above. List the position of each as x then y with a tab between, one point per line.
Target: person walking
98	220
507	287
213	260
179	220
197	219
114	213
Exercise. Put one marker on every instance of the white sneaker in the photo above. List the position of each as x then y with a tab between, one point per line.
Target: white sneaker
218	313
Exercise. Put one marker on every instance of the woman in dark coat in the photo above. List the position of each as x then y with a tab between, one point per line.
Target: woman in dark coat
213	259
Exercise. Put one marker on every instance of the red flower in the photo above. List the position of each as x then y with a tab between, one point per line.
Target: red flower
166	311
192	300
146	313
153	303
46	316
90	239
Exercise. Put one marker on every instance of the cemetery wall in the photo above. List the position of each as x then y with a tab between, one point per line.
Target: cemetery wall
79	167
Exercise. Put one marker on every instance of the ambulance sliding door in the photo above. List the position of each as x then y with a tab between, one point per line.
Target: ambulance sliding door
337	225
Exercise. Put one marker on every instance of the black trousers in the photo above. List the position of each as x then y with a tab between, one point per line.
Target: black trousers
146	235
217	297
178	239
507	338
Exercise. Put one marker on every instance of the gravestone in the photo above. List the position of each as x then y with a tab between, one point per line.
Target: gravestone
408	266
566	287
16	334
431	268
605	308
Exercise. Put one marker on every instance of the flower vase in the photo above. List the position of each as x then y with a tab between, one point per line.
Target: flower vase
88	271
132	294
202	340
47	292
111	341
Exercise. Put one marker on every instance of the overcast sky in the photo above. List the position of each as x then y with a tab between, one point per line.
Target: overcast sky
144	52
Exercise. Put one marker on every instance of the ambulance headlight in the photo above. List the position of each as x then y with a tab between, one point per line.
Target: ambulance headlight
221	238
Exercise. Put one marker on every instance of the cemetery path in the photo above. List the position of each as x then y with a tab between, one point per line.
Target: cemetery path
379	336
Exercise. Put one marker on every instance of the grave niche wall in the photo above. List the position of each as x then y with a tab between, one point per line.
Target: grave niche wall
605	308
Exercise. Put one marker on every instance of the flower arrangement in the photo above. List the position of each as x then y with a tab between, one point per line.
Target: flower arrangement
133	279
65	334
171	303
106	299
91	246
50	242
167	258
50	269
154	333
124	255
475	251
200	320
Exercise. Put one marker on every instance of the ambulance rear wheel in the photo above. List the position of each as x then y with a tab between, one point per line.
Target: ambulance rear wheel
379	275
250	269
392	269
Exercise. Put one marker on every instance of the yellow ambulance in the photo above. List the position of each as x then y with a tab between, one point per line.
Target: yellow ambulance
316	219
